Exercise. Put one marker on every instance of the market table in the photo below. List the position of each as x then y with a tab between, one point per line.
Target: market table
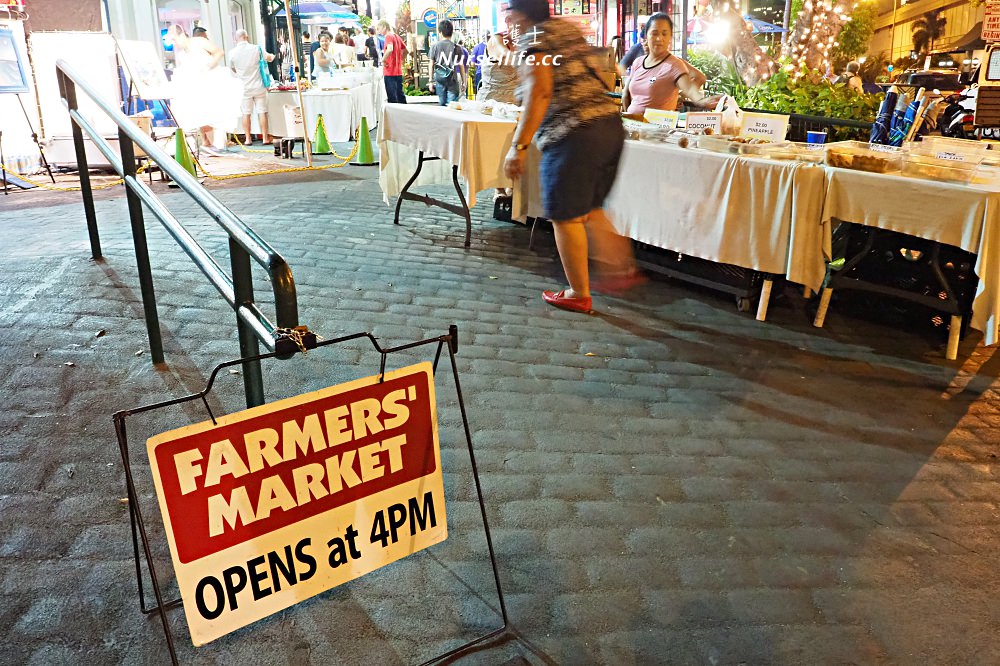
342	111
965	216
426	145
755	213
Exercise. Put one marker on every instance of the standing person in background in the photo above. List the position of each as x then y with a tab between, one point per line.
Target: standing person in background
446	65
343	55
373	48
851	77
477	61
245	60
205	95
497	68
360	48
580	135
324	55
392	63
638	50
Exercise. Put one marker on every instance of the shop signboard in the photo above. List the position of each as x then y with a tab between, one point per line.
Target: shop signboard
991	22
268	507
12	65
431	19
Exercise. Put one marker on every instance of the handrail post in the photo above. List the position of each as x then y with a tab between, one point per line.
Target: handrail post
253	378
68	89
127	149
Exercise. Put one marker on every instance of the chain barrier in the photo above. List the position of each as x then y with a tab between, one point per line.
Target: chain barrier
234	176
322	121
75	188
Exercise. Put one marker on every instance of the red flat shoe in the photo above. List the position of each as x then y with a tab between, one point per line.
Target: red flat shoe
616	285
561	301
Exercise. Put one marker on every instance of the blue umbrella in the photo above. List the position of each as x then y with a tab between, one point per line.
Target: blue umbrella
896	138
762	26
880	128
897	116
331	9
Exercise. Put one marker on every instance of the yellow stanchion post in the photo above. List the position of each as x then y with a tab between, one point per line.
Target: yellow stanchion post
366	156
321	145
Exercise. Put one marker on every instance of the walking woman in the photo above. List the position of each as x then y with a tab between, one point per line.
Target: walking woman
579	133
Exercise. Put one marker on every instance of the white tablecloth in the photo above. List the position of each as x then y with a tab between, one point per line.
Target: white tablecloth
754	213
342	111
473	142
966	216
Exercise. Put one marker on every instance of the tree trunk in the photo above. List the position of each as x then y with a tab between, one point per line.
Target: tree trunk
815	34
753	64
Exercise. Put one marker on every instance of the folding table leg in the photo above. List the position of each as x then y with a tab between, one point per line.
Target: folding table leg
956	328
824	304
765	298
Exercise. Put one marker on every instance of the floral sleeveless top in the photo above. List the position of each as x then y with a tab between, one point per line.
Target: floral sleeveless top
577	93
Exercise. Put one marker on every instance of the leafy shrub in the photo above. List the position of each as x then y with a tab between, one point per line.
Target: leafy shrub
720	71
813	96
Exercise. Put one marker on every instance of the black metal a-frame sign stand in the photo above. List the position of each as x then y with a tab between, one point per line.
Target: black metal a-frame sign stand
140	538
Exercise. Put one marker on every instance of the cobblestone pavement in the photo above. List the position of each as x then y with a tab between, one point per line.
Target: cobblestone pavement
668	481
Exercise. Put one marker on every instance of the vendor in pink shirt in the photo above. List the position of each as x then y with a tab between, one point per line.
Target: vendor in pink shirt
660	78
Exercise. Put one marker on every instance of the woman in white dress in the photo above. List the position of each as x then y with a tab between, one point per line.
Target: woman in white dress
204	94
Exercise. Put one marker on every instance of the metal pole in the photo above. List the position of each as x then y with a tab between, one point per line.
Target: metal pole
141	249
295	58
253	380
68	89
892	35
788	19
684	32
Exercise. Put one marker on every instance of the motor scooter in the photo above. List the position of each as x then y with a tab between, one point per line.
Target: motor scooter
957	119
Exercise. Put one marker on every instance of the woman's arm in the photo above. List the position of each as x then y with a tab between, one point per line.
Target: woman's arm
539	93
626	95
697	77
693	93
216	53
322	57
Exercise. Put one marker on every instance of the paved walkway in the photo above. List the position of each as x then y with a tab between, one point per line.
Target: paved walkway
668	482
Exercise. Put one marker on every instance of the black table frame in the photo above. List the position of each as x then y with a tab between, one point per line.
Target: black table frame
462	210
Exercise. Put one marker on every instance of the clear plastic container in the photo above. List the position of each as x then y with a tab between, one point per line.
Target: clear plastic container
863	156
723	143
949	148
931	167
797	151
942	158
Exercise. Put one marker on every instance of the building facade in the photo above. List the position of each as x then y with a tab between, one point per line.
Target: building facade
895	26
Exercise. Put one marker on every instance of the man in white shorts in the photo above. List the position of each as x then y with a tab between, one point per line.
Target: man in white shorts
245	60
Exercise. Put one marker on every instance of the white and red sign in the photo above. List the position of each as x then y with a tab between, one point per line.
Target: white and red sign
991	22
275	504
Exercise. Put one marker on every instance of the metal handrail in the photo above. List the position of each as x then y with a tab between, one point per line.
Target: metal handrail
244	242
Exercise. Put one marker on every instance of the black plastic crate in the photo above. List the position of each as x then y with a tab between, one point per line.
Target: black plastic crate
923	279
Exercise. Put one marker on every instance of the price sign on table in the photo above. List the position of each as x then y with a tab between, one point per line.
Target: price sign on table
698	120
764	125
